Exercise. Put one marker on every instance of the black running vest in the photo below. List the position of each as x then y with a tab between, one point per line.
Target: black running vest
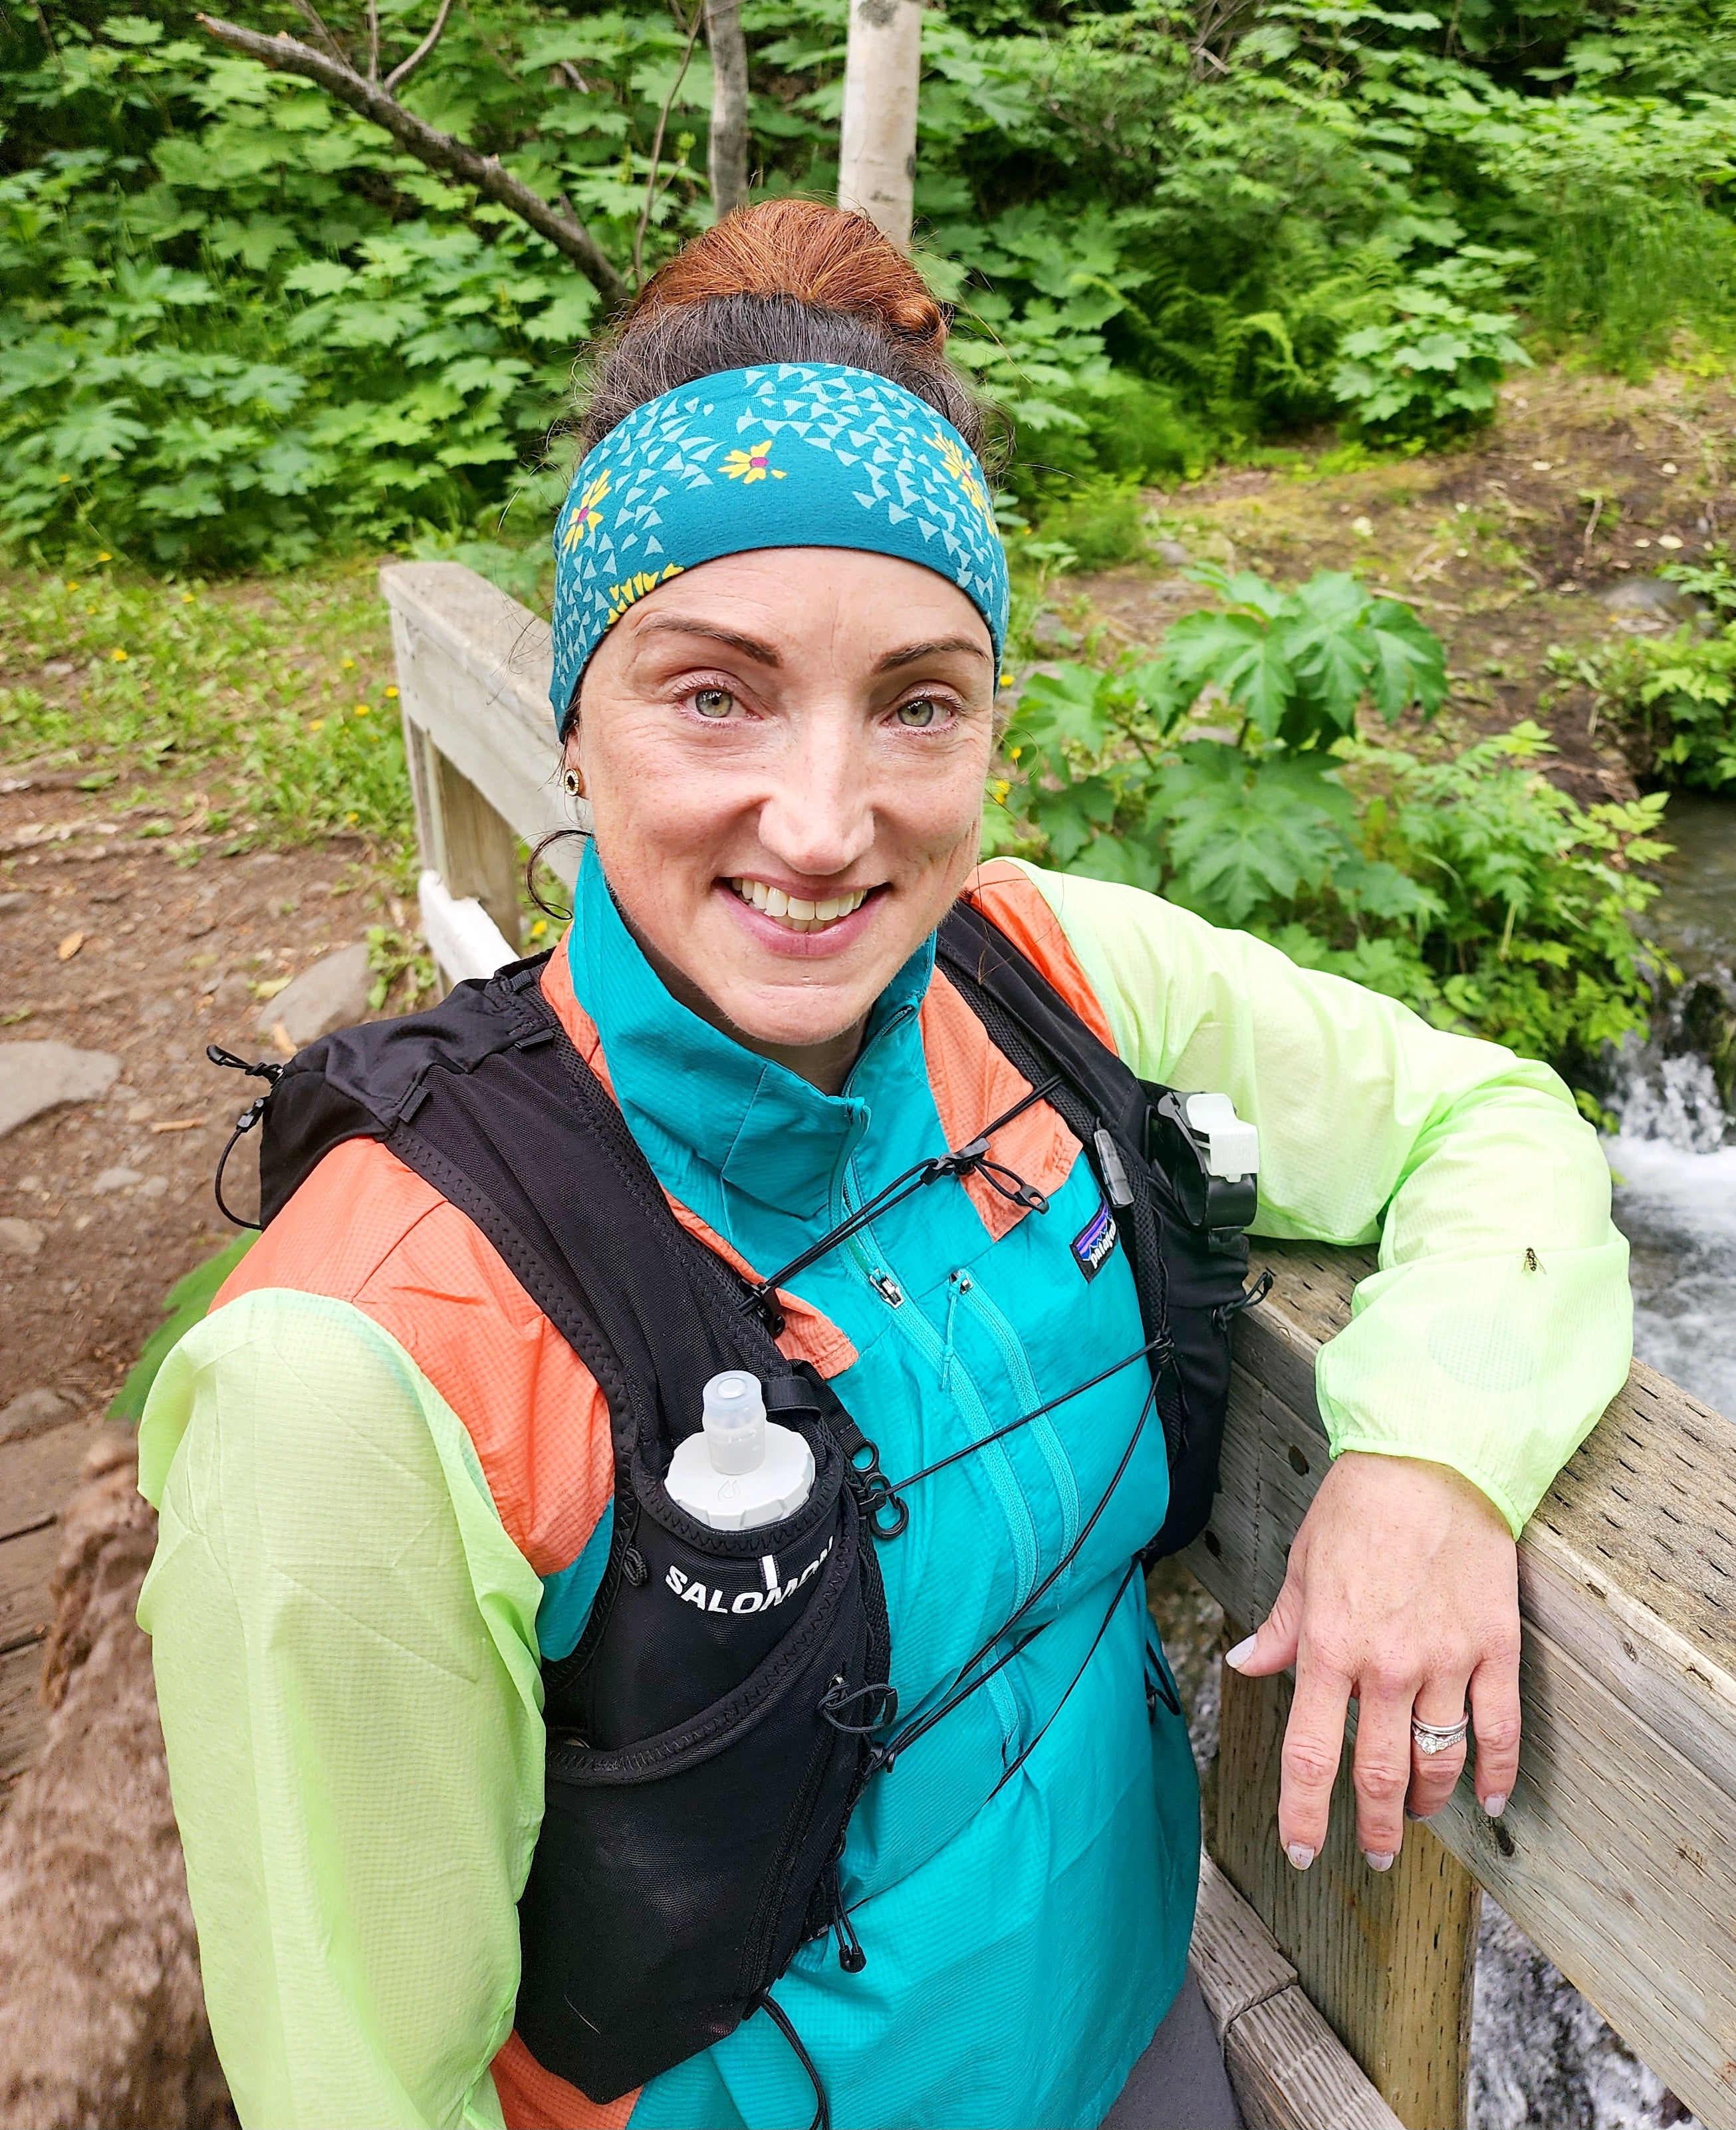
695	1815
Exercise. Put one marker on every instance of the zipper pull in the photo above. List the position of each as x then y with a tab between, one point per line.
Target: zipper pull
891	1292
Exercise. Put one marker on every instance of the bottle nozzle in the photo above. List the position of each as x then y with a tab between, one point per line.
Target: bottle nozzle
734	1420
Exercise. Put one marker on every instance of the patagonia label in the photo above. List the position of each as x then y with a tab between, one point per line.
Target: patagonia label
1095	1242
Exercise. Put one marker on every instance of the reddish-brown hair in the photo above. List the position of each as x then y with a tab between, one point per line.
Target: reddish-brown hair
787	281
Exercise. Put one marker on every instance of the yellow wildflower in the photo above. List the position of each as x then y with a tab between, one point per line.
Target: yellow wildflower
317	725
391	694
119	657
105	558
364	709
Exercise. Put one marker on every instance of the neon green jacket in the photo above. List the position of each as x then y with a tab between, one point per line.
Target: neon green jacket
384	1498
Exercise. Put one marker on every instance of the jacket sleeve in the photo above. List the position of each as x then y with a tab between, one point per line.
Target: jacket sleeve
1470	1164
345	1657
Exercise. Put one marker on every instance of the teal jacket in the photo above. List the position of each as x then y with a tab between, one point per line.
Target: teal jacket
384	1487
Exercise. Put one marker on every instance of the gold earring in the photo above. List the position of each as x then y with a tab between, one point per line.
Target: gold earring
572	783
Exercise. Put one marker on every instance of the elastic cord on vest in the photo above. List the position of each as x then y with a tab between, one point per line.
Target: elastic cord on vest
971	1159
780	2019
883	1756
263	1069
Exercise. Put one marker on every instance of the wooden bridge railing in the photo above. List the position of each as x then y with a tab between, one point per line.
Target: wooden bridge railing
1617	1854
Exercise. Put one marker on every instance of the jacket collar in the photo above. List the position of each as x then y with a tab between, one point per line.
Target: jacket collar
713	1118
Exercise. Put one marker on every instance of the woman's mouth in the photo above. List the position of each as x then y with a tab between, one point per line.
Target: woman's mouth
795	913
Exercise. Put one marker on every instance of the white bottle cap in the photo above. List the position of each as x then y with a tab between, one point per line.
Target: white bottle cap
1232	1145
741	1469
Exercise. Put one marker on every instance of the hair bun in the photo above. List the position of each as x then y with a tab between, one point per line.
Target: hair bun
808	253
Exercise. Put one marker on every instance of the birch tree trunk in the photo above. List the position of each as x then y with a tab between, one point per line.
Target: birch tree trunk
877	152
726	156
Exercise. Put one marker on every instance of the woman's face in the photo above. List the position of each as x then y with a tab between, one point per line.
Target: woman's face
785	752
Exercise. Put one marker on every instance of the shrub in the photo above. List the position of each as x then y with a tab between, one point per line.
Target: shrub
1098	524
1672	698
1468	886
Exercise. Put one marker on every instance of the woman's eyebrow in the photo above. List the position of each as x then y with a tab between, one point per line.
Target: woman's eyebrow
909	657
750	646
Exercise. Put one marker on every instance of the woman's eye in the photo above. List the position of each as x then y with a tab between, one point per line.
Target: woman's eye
919	715
713	702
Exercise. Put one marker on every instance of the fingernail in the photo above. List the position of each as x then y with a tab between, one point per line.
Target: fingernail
1300	1855
1375	1862
1497	1805
1409	1814
1238	1656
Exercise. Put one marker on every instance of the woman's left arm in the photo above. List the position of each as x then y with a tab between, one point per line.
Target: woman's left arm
1479	1355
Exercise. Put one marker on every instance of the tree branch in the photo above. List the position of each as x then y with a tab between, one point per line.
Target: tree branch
440	151
405	68
656	154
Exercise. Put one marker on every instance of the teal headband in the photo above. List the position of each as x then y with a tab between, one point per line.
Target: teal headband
795	455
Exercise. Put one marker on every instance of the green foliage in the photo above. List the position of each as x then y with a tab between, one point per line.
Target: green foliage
238	328
1431	371
1294	666
1467	886
1672	698
186	1303
1096	525
274	710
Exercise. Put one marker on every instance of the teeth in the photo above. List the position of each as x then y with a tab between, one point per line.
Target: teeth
800	915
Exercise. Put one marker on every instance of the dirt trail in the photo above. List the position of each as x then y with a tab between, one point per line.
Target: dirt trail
1506	546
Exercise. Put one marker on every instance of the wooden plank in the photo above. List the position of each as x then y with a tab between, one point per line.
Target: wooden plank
22	1718
1615	1855
1617	1858
1288	2069
1234	1956
1291	2069
480	850
25	1564
473	668
38	1474
1388	1957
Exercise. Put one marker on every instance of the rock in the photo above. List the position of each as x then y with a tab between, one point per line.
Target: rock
232	993
116	1179
1651	595
35	1076
331	994
16	899
1171	552
34	1412
153	1187
21	1239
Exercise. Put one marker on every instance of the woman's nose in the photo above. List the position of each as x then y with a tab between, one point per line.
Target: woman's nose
818	819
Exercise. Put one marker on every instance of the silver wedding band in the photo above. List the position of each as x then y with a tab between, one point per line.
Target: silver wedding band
1432	1738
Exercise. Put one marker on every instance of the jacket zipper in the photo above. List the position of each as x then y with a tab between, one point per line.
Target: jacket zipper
1014	1508
1024	1386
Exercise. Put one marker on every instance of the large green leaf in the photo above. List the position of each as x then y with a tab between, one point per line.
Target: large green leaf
1244	834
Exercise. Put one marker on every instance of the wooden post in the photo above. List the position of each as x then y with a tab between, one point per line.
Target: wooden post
1388	1957
883	67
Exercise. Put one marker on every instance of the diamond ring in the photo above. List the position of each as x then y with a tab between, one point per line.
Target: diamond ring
1432	1738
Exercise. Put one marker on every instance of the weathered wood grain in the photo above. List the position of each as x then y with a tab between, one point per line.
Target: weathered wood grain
22	1717
1287	2067
1617	1855
1387	1957
38	1474
1233	1956
472	669
25	1564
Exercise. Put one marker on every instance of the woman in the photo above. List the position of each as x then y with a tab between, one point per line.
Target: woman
384	1479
